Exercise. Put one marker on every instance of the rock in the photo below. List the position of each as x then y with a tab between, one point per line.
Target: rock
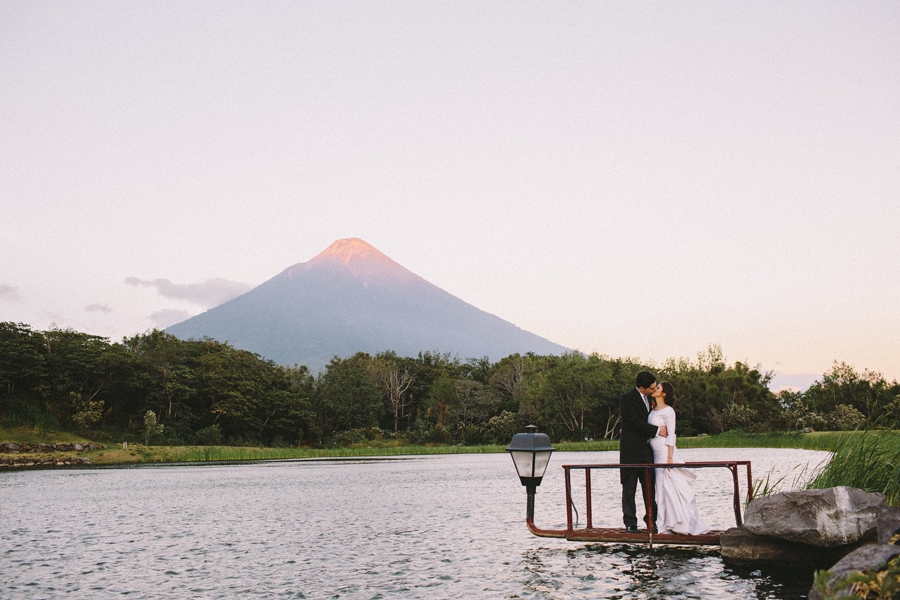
741	547
888	525
78	448
11	447
873	557
828	518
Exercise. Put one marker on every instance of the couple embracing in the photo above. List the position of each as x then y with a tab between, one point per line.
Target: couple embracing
648	436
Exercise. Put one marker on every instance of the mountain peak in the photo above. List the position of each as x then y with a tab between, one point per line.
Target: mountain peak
352	298
349	249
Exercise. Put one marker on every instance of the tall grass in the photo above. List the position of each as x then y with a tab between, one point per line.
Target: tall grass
868	460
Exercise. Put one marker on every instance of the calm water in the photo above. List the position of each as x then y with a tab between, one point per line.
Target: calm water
419	527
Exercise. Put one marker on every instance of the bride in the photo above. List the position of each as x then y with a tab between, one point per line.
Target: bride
677	509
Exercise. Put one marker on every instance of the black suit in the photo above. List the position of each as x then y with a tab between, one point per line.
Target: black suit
634	448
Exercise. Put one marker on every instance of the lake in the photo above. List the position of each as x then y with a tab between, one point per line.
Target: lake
446	526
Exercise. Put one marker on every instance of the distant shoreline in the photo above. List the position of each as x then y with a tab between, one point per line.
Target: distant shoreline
115	454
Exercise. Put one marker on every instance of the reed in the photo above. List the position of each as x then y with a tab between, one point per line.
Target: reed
868	460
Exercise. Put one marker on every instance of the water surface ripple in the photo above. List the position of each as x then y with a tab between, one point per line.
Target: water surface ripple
448	526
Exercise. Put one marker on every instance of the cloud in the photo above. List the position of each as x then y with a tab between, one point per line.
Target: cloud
9	293
98	308
168	316
210	293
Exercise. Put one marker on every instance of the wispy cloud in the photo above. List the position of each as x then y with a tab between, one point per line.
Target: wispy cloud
211	292
98	308
168	316
9	293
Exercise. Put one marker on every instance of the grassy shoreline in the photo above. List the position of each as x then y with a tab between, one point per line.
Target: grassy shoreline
139	454
868	460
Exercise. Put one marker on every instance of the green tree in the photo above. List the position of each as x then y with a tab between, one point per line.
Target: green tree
432	394
713	397
867	392
575	383
479	369
293	416
441	401
348	394
22	368
509	381
475	402
80	367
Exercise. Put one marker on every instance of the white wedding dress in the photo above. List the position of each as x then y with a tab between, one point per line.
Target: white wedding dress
676	507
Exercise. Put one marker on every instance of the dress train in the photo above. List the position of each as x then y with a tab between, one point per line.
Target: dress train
676	505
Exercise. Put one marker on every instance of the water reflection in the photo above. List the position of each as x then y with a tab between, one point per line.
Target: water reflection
620	571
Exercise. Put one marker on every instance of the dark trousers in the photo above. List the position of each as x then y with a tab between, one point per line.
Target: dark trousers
630	478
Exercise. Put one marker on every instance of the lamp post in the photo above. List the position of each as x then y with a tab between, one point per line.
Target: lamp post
530	452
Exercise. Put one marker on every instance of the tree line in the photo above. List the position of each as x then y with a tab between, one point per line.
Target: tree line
155	388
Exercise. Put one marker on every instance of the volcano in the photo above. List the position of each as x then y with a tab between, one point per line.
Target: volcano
353	298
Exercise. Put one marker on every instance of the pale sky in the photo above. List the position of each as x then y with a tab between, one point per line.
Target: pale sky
633	178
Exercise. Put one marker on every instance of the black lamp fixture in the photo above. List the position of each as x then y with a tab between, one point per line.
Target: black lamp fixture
530	452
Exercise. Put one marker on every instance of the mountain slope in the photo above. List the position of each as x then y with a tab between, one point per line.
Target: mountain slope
352	298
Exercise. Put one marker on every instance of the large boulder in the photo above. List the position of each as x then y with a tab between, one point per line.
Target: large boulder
743	548
832	517
867	558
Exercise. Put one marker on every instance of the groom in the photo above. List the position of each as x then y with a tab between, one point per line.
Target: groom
634	446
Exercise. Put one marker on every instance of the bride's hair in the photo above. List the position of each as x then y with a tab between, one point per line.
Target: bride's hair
669	390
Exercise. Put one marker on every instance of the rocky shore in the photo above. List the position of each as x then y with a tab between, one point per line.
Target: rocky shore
855	532
44	461
17	448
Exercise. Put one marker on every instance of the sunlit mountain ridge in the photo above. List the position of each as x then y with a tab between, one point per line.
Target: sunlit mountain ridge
352	298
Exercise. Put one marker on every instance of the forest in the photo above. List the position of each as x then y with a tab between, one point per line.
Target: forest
156	389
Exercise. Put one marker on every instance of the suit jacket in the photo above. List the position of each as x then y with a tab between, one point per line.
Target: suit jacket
634	442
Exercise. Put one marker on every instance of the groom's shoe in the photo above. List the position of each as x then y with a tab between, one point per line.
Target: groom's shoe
632	529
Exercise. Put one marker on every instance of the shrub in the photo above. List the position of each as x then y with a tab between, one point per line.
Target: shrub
739	417
358	436
471	435
151	427
439	435
209	436
845	418
883	584
501	429
86	412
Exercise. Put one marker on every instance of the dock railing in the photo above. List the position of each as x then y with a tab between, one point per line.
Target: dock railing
591	533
